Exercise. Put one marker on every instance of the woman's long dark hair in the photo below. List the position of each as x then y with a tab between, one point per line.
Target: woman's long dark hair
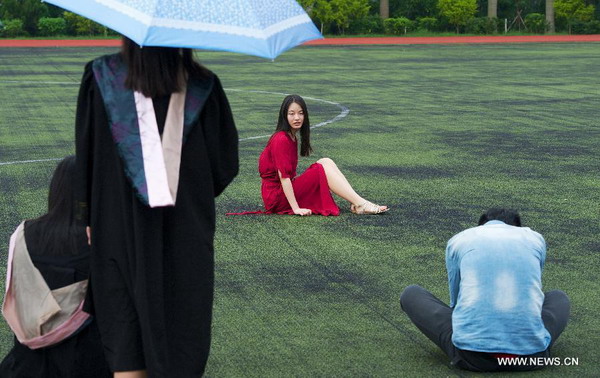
283	125
59	233
158	71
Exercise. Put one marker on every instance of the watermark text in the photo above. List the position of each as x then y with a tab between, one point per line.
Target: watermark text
538	361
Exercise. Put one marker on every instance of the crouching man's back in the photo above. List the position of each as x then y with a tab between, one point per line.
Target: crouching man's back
497	306
495	280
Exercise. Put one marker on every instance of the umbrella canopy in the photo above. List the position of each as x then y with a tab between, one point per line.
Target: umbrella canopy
263	28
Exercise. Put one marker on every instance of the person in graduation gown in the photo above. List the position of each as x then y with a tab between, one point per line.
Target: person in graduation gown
59	250
310	192
156	143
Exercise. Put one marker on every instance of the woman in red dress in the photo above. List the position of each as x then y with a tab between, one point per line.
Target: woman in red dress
309	193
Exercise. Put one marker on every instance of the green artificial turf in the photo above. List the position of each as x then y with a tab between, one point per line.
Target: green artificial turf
438	133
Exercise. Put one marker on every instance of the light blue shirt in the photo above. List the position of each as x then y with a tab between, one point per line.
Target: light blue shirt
495	280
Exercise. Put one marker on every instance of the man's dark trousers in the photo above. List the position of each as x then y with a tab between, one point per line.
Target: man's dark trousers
434	318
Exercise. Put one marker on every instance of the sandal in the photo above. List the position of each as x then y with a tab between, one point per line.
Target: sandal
367	208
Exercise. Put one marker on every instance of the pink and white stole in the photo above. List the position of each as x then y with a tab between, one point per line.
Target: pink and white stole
38	316
162	159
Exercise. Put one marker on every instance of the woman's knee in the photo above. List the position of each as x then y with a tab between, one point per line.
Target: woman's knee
326	162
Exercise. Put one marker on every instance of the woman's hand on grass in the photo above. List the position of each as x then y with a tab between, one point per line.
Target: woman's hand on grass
302	212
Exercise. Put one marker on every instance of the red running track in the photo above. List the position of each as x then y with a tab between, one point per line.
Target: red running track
457	39
60	42
332	41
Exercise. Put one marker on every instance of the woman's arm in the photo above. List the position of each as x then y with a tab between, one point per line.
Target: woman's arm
288	190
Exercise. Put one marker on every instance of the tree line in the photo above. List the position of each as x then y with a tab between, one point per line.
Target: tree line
337	17
459	16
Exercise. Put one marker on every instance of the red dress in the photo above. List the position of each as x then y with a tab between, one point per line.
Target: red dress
310	188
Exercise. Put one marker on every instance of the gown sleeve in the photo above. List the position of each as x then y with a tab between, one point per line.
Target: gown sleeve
84	122
89	103
283	152
221	138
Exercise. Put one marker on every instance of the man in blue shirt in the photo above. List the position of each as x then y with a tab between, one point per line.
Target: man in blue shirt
497	308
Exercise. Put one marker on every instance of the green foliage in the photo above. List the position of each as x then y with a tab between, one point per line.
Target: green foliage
458	12
400	25
482	25
536	23
371	24
590	27
54	11
52	26
508	8
344	12
28	11
413	9
39	18
573	10
320	12
79	25
323	12
306	4
345	15
13	28
427	23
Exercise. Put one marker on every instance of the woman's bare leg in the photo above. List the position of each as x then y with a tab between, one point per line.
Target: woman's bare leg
339	184
130	374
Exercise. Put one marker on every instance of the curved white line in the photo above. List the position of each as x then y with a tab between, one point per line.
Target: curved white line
344	111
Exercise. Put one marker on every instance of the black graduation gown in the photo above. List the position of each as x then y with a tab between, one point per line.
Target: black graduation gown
152	271
80	355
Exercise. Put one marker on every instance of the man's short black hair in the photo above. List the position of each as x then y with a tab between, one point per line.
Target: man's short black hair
507	216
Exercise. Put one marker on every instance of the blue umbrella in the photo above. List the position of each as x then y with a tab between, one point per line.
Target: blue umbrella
263	28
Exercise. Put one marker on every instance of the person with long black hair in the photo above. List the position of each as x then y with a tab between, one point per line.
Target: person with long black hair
52	248
310	192
156	143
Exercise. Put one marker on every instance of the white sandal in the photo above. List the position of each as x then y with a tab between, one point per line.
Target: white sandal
367	208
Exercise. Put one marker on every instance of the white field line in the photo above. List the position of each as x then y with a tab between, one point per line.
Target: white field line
29	161
344	111
38	82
